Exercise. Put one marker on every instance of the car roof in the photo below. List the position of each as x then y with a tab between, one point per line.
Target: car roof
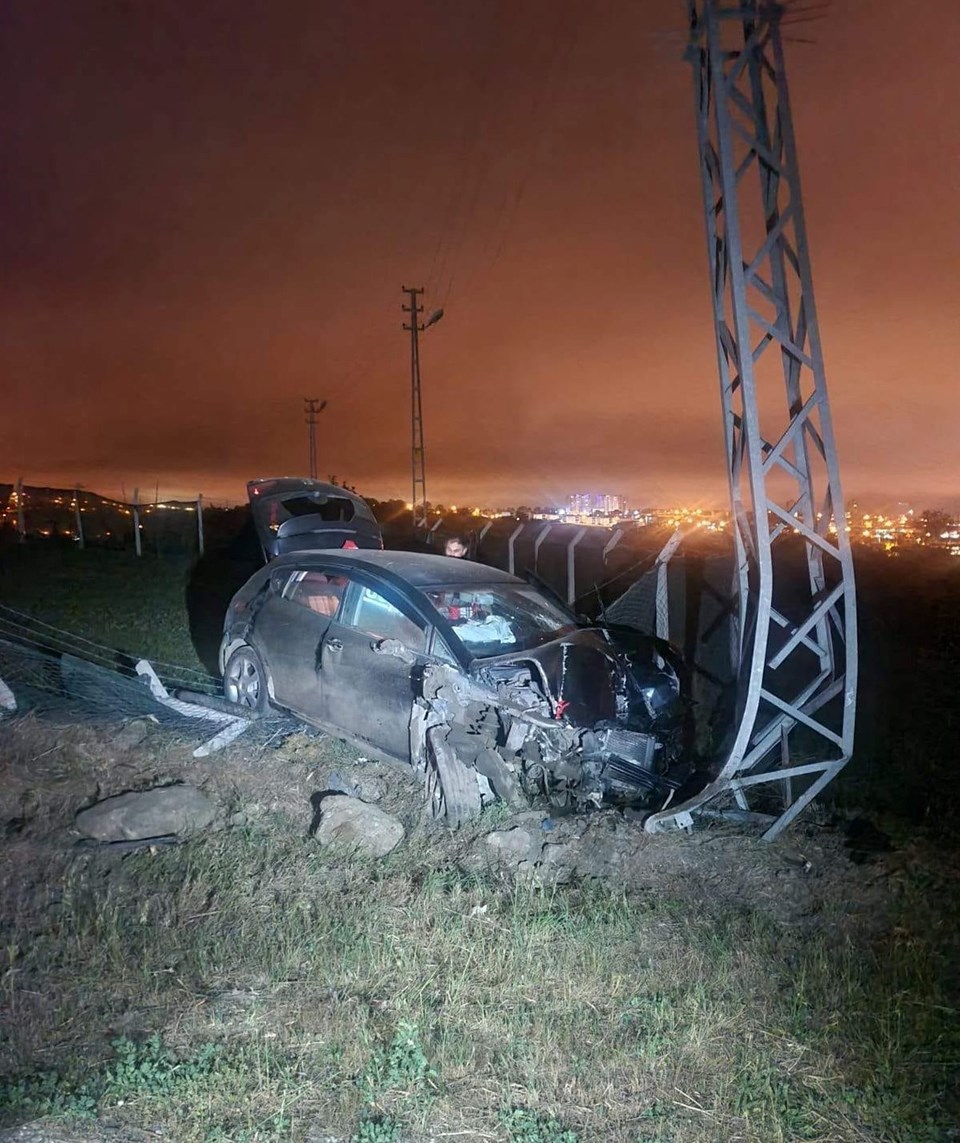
420	569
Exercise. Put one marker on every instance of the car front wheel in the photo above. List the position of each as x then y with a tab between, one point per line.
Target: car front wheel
245	680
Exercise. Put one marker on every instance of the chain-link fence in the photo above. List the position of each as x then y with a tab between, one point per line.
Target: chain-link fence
47	670
76	515
676	586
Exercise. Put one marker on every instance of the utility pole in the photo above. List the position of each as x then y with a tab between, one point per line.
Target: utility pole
312	406
419	497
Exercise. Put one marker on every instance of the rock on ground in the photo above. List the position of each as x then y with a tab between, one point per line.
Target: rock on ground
511	846
132	734
150	813
349	822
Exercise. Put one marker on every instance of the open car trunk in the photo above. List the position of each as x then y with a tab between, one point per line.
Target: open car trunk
293	514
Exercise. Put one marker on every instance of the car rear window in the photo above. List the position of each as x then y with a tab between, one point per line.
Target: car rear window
331	508
501	618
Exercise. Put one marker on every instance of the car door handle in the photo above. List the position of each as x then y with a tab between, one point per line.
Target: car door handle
334	644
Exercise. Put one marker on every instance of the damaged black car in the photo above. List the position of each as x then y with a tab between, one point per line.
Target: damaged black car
472	676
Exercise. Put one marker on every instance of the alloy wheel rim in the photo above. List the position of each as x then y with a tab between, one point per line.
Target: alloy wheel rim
243	682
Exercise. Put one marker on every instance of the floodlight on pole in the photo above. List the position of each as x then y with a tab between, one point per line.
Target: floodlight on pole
312	406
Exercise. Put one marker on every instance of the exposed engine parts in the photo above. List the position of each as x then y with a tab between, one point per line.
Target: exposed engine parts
504	736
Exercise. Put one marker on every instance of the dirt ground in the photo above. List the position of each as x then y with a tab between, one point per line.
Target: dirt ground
51	767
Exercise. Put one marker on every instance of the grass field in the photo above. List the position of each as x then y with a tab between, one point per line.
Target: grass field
136	606
250	987
406	999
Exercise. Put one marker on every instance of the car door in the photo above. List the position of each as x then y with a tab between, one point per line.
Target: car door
291	626
371	654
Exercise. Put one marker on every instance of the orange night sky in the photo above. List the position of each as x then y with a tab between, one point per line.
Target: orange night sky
207	211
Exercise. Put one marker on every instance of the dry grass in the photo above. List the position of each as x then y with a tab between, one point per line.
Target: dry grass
620	1018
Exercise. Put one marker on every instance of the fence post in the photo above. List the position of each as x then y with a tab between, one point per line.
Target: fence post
663	601
136	520
77	516
511	560
21	521
612	543
478	541
536	546
8	701
200	522
572	566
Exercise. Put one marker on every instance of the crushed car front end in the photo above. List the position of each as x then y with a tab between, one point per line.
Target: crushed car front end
573	721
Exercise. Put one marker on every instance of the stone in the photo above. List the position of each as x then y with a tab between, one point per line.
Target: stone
510	846
367	787
370	788
341	785
346	821
600	850
132	734
556	864
150	813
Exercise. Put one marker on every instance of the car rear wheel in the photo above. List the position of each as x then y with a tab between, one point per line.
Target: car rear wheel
245	680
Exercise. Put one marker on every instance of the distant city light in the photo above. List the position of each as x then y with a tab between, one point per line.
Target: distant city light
57	513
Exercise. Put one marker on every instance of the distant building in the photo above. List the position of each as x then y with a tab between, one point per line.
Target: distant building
596	504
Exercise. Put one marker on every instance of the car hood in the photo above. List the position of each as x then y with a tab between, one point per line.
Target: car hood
292	514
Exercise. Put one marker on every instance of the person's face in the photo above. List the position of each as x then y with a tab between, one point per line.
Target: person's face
455	548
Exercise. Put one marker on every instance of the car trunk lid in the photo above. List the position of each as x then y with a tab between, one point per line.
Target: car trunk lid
292	514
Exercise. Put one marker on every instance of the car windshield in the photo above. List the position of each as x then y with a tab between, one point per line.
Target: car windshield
500	619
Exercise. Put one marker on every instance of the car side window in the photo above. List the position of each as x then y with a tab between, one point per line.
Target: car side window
378	616
318	591
440	650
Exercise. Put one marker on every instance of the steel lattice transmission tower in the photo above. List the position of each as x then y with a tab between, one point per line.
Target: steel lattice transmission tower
795	639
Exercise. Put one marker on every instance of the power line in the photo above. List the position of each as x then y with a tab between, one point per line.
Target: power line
541	110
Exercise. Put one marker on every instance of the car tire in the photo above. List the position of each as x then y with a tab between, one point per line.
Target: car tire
245	680
452	789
